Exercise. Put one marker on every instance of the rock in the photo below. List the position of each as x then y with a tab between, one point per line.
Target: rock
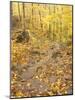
23	37
28	74
39	85
52	79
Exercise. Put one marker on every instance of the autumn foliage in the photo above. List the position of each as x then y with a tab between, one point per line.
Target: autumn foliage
41	49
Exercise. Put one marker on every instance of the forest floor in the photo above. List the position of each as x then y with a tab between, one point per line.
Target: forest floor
43	71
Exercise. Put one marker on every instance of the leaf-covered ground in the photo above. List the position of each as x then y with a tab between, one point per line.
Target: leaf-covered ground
44	70
41	49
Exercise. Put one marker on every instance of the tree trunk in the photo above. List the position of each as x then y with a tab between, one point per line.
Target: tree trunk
49	33
20	24
54	25
24	16
40	20
32	16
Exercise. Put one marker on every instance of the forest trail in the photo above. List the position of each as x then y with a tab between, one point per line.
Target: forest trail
41	49
54	67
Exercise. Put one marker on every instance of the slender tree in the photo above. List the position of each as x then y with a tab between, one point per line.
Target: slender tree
11	12
24	16
19	14
49	33
54	25
61	26
32	16
40	19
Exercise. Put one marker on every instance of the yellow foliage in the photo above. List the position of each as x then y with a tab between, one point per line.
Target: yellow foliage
19	94
50	27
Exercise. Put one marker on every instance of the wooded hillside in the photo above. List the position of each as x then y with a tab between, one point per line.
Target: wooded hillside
41	49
